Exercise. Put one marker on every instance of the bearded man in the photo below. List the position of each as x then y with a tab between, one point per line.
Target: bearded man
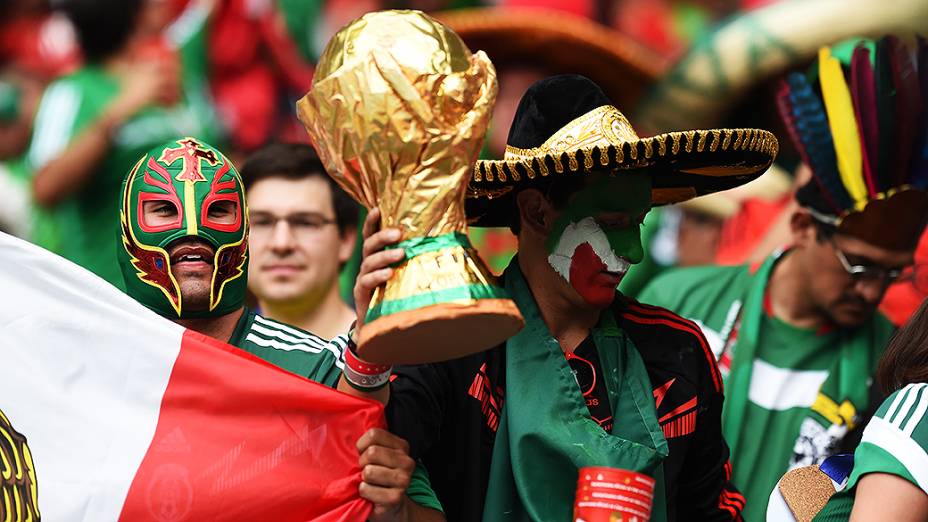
799	336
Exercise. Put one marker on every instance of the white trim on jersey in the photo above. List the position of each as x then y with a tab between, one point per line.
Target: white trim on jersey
276	333
890	438
54	123
896	402
278	338
780	389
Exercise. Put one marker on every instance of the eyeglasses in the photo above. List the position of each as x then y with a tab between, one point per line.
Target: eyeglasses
867	272
299	225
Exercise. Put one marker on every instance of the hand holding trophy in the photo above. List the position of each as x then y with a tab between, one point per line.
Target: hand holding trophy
398	111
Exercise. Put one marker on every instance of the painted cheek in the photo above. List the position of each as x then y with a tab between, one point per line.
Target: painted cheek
627	243
588	279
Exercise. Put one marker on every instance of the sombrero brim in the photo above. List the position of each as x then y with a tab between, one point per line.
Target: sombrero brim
558	42
683	165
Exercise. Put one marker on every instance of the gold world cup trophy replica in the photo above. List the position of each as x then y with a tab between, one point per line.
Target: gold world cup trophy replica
398	111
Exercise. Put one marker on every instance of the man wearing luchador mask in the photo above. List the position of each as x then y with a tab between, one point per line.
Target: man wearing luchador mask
184	255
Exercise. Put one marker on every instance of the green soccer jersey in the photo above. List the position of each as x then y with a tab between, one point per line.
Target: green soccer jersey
791	394
290	348
86	223
311	356
895	442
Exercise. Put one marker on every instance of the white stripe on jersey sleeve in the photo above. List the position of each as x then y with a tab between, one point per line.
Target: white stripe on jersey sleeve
278	344
270	332
911	394
918	414
54	123
341	342
190	21
890	438
281	331
280	341
907	404
896	402
286	328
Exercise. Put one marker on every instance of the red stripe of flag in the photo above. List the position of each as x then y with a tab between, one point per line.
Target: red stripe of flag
236	440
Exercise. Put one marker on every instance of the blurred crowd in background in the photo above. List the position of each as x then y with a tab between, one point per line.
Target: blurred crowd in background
230	71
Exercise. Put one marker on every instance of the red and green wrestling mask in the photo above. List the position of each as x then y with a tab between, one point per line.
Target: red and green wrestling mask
598	235
184	231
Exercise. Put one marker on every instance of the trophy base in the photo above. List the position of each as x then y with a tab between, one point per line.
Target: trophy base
439	332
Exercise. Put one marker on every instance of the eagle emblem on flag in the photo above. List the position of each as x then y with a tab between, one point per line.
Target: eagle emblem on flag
19	495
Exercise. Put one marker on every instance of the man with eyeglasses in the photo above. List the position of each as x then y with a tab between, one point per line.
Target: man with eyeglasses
303	229
798	336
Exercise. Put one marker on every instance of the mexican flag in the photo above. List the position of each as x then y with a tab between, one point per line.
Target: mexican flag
108	411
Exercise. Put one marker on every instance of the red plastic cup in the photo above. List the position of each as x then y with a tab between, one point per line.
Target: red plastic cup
613	495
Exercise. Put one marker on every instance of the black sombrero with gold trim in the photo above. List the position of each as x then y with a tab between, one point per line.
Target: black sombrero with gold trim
565	125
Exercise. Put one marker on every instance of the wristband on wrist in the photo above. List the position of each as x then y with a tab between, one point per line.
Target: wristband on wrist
362	375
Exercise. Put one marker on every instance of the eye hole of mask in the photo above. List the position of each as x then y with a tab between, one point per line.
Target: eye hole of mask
223	215
159	215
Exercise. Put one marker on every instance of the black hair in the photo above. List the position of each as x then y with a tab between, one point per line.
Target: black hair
824	232
905	360
103	26
295	161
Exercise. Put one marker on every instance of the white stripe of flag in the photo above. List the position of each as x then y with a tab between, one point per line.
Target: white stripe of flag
128	416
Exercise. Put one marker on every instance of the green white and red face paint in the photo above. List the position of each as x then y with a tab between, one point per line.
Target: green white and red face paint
591	257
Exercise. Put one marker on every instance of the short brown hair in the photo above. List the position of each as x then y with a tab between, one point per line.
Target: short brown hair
297	161
905	360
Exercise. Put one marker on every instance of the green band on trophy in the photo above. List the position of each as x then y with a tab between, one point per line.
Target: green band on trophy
468	292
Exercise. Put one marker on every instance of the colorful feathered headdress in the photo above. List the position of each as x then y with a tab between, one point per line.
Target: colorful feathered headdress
861	124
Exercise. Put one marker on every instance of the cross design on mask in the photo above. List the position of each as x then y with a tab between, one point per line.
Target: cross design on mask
191	152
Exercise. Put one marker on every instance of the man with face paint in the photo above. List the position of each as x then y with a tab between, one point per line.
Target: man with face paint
594	378
184	255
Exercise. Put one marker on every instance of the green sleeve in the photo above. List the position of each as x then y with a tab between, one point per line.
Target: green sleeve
328	367
894	443
188	35
838	508
420	489
896	438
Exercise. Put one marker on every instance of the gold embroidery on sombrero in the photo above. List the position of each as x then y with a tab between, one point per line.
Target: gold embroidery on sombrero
690	137
530	171
603	156
602	126
587	159
558	167
727	140
572	156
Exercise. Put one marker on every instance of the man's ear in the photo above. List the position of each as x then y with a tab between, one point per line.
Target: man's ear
346	244
534	211
802	226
